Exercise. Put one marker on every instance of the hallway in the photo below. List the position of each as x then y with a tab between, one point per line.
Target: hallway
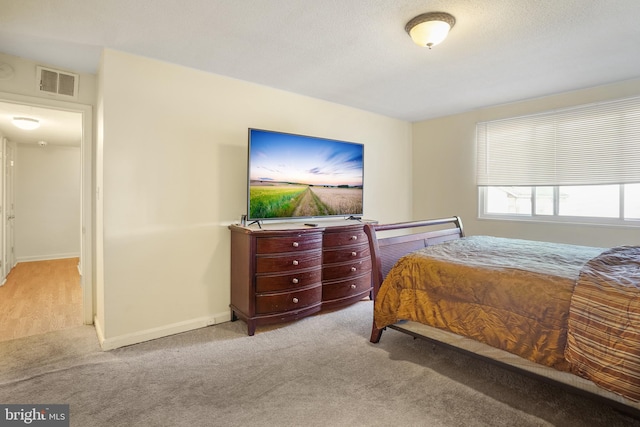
39	297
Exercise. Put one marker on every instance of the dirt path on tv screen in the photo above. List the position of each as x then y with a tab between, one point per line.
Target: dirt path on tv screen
309	205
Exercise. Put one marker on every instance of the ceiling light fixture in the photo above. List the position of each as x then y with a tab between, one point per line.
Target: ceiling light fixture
26	123
429	29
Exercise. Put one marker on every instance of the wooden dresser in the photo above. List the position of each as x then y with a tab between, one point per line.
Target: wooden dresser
284	272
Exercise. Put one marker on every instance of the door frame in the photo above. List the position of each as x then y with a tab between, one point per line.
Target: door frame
87	278
8	199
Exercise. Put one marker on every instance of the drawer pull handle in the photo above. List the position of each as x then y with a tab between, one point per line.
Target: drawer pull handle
296	244
353	269
353	286
295	281
354	237
295	300
354	253
295	262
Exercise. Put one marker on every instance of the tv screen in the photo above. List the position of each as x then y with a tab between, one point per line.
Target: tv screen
297	176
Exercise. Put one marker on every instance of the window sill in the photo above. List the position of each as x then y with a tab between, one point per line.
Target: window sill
574	221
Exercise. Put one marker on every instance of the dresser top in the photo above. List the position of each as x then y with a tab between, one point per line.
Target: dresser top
319	224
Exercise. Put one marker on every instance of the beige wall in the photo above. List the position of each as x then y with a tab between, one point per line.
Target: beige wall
172	143
24	79
47	202
444	171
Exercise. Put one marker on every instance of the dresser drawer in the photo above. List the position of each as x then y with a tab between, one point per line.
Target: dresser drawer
299	243
347	288
344	254
350	237
288	262
346	270
288	301
278	282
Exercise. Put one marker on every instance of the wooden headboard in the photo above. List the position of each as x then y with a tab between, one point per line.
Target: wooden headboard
385	251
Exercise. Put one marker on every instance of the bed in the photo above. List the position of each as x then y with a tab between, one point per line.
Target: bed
563	313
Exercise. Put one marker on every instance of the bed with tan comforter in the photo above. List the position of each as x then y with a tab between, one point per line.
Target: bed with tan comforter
573	308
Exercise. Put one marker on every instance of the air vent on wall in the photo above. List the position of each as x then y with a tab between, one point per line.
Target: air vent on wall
55	82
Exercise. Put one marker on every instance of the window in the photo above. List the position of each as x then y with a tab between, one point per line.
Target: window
580	163
600	203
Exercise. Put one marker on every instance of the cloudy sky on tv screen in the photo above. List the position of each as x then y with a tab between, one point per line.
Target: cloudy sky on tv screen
277	157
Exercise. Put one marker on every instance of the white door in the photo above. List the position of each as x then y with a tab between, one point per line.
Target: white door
3	261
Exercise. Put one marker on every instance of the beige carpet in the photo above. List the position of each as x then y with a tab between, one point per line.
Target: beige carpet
320	371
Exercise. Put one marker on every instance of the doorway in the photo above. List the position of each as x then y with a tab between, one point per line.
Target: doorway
65	128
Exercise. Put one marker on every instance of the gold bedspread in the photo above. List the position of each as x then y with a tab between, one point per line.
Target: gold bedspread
508	293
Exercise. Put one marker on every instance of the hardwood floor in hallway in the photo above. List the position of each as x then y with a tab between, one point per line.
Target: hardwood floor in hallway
39	297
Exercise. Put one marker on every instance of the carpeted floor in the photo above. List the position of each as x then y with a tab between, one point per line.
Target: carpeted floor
320	371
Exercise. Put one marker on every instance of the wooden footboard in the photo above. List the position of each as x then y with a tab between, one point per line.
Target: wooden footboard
401	239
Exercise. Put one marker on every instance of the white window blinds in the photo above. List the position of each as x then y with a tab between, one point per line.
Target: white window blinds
587	145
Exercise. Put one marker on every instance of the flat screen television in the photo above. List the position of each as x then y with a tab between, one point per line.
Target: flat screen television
298	176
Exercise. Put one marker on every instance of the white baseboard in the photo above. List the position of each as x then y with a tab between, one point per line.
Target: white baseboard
159	332
47	257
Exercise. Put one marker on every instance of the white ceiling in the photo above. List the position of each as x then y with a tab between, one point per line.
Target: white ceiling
352	52
56	127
